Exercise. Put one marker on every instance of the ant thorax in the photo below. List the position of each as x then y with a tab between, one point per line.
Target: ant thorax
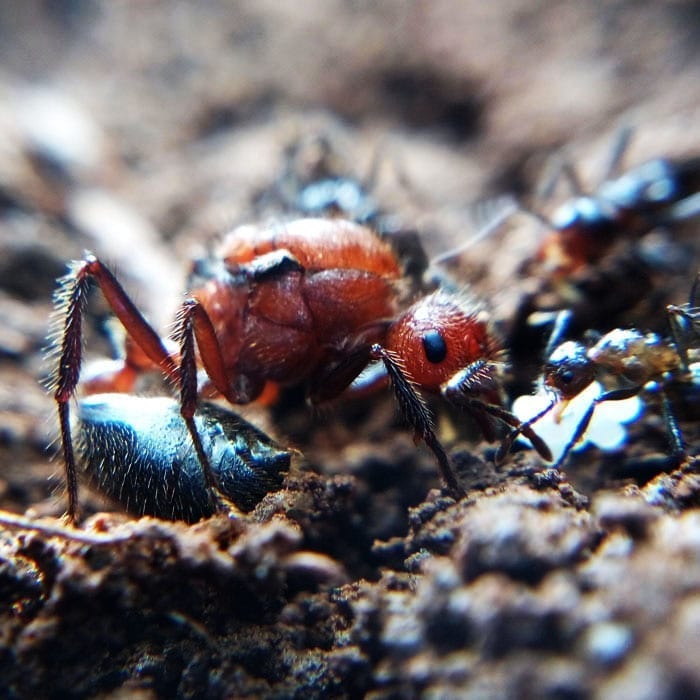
649	185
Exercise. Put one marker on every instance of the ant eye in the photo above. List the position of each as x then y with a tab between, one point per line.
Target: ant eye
566	376
434	346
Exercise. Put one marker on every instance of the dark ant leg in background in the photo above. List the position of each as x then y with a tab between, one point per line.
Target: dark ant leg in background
678	453
684	321
522	429
617	152
675	435
563	169
559	328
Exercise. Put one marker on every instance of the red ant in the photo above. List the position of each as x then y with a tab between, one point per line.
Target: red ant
312	301
655	194
635	362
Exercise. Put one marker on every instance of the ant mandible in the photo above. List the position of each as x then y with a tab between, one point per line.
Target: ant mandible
636	362
312	300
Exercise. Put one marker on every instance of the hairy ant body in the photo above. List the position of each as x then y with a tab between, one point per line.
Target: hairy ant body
137	451
313	301
630	362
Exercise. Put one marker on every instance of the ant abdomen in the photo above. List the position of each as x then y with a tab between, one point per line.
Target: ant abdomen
138	452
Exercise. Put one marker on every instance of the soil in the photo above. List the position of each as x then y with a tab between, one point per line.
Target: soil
143	132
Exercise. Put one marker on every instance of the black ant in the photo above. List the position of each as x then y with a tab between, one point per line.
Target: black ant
313	184
630	362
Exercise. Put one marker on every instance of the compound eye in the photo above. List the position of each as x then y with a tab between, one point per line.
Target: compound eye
566	376
434	346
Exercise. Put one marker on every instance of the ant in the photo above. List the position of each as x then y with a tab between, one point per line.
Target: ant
634	362
312	301
654	194
606	256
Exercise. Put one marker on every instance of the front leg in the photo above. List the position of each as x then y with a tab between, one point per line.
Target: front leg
464	390
193	322
418	416
613	395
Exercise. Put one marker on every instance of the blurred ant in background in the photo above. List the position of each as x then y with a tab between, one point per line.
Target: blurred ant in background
655	194
608	257
627	363
312	301
316	182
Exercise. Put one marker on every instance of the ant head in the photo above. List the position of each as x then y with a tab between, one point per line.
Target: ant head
582	214
440	335
569	370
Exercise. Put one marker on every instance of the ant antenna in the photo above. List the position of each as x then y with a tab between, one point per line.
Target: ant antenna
488	216
559	328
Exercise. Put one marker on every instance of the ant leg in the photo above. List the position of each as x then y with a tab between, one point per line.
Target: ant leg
472	378
614	395
674	431
561	168
524	427
559	328
684	321
418	416
70	301
512	420
487	216
561	323
617	153
193	321
330	382
72	298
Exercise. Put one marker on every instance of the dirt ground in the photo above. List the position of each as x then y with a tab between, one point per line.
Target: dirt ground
143	132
